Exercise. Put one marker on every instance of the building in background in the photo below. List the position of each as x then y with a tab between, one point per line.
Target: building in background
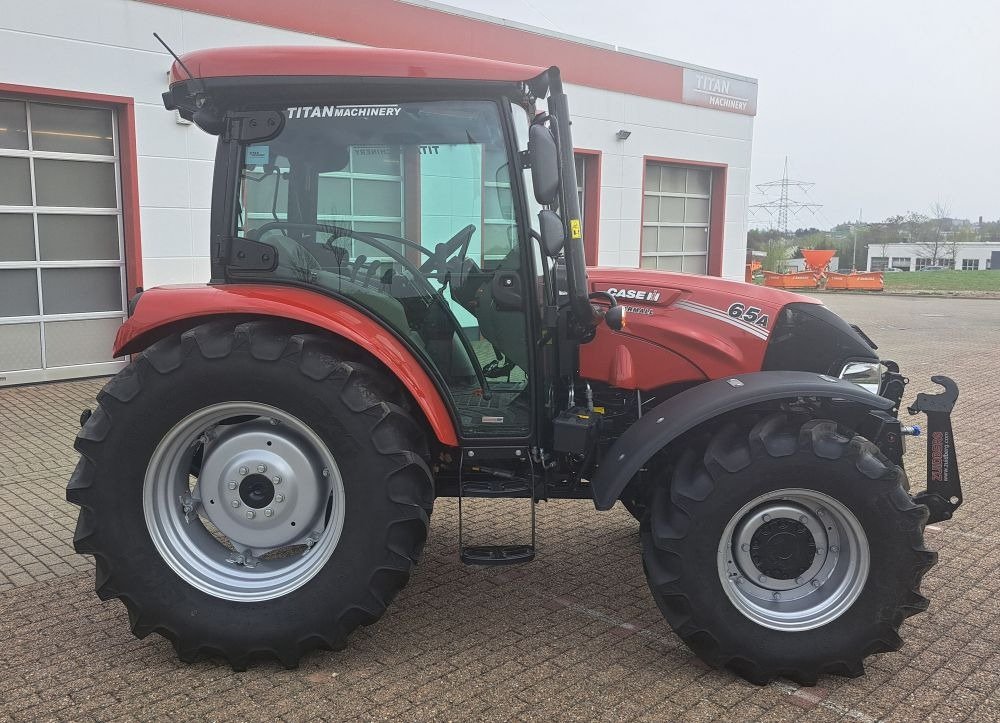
102	191
962	256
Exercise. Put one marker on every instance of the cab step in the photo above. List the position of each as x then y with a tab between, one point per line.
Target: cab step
497	554
494	474
497	488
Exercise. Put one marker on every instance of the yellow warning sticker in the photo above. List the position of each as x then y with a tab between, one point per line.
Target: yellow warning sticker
574	228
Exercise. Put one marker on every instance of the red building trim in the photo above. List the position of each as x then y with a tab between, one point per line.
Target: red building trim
50	93
717	219
717	207
127	162
591	202
413	27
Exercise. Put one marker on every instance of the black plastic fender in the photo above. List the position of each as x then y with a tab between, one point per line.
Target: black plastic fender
672	418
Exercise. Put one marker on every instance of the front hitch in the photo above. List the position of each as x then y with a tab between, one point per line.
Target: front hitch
944	488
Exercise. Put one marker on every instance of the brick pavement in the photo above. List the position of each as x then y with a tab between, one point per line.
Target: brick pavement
573	635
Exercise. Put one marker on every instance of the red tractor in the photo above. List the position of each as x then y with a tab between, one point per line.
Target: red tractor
399	310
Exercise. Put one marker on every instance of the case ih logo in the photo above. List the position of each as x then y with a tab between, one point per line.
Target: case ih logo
637	294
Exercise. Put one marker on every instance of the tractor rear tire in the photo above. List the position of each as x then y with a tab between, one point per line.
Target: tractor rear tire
339	426
786	549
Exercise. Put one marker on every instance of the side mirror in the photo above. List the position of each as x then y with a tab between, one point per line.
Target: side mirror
544	156
550	229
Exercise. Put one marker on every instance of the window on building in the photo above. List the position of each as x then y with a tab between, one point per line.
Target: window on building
970	264
499	227
923	264
879	263
581	185
901	262
675	218
588	180
366	196
62	261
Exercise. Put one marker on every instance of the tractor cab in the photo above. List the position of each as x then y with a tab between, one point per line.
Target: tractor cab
440	201
406	196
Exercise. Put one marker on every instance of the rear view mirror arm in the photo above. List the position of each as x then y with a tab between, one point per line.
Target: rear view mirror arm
585	315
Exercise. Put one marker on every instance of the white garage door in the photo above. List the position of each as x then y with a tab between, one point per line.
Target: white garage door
676	208
61	252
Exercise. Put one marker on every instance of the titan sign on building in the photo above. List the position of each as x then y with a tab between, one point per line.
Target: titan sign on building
103	192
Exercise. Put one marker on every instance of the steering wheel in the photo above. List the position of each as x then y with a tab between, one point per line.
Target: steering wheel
439	256
438	260
436	263
371	239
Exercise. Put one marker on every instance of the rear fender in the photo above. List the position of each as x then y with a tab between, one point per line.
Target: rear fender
669	420
162	310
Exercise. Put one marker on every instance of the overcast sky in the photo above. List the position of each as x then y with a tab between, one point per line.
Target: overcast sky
886	105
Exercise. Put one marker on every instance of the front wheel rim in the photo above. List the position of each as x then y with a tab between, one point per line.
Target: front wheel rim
793	559
264	513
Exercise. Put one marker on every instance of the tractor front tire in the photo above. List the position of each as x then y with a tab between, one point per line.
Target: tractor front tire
201	458
786	549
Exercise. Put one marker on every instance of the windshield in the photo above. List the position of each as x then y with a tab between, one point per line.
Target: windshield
407	210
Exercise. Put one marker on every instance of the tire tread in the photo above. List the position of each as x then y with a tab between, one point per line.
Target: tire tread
695	478
397	435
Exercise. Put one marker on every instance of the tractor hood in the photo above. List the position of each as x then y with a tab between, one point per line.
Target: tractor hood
637	279
685	328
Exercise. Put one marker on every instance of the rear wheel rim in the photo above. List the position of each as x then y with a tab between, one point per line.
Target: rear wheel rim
265	512
793	559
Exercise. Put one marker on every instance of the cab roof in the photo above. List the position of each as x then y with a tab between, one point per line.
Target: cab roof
345	62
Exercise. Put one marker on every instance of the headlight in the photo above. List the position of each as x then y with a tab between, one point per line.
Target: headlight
867	375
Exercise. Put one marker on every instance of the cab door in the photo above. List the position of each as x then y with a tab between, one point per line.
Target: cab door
408	210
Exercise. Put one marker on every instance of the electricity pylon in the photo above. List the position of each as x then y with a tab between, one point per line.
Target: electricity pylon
780	208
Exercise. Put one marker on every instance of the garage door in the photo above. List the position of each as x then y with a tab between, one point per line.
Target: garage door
61	253
676	208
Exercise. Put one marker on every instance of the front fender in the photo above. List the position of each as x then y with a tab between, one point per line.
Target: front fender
667	421
161	309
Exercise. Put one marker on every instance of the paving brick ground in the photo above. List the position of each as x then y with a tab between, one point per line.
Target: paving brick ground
574	635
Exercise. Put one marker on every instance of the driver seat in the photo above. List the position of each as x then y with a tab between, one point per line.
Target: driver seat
296	263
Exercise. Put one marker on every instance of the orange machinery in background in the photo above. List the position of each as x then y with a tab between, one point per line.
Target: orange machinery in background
812	278
794	280
817	276
856	281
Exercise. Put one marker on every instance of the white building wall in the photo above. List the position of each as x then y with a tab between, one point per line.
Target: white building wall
106	46
980	251
666	130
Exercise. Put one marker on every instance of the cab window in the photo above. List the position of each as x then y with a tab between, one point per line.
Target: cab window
407	211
